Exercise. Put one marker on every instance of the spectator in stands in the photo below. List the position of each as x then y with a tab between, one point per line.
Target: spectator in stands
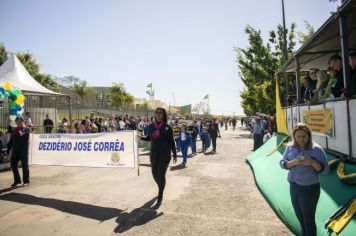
332	80
313	76
62	127
308	92
352	59
335	62
112	123
47	125
321	85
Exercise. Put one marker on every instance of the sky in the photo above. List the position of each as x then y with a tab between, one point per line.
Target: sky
184	47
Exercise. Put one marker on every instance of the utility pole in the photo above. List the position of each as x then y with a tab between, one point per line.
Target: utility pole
285	50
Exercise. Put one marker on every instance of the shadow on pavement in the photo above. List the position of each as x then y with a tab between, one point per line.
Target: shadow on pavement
4	190
76	208
137	217
177	167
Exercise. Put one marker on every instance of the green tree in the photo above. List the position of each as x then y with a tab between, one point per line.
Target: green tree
304	37
29	62
67	81
82	89
3	54
119	97
47	81
258	64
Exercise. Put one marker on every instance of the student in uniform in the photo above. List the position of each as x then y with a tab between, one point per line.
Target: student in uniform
18	145
214	133
305	160
160	134
205	138
184	140
194	134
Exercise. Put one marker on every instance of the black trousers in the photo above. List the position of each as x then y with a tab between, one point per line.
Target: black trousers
257	141
213	141
304	201
159	169
25	170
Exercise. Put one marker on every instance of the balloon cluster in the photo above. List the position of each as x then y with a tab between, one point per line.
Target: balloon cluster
16	99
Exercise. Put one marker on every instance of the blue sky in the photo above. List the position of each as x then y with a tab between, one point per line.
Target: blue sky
181	46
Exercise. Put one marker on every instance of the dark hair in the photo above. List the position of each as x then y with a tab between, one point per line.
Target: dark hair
19	118
352	54
334	58
165	116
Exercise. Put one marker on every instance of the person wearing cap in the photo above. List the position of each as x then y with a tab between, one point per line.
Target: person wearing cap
18	145
160	134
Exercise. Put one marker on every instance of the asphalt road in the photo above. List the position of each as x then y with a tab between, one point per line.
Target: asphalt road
213	195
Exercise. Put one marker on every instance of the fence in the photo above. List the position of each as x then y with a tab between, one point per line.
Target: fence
344	116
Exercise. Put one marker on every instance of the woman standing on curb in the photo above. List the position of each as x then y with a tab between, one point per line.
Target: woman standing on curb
305	160
162	144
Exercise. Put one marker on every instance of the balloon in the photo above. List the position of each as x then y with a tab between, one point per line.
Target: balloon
6	94
18	114
12	96
13	123
21	96
13	111
2	90
12	117
7	86
1	96
19	102
18	108
12	105
17	92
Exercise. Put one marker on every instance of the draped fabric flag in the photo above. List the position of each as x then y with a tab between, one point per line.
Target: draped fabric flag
281	115
206	97
149	85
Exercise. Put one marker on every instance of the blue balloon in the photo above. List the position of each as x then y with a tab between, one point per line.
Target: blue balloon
18	108
18	115
13	111
2	90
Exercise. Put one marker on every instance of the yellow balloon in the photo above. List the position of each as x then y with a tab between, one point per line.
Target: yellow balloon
7	86
21	97
19	101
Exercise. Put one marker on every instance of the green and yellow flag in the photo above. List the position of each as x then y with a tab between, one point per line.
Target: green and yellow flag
149	85
281	115
206	97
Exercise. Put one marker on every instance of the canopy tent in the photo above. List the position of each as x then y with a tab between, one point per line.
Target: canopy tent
14	72
316	52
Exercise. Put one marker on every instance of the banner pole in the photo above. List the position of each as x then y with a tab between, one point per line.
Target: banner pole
138	156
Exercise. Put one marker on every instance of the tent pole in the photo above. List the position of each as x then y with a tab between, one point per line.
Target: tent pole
344	52
297	78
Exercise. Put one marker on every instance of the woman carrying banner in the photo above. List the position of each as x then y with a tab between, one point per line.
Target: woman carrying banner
18	145
305	160
162	144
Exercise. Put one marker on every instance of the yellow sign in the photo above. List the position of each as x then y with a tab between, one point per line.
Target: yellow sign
321	121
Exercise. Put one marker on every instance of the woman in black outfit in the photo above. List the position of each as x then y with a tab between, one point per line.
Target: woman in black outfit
19	145
162	144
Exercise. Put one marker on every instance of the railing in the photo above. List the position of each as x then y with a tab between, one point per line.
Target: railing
344	140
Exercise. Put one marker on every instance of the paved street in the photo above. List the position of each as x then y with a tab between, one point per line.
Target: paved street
214	195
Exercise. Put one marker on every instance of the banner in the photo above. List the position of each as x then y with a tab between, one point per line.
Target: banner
281	115
117	149
321	121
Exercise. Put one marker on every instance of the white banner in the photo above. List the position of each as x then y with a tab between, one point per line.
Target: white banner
117	149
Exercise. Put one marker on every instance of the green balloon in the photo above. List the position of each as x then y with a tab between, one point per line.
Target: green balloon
6	95
12	105
17	92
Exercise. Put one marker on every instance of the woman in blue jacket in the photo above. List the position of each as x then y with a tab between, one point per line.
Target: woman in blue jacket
305	160
185	141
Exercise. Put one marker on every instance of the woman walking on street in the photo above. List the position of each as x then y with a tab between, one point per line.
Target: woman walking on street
305	160
162	144
214	133
18	145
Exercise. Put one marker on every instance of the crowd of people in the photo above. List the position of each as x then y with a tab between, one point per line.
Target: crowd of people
322	85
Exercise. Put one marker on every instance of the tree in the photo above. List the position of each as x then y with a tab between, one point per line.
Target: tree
47	81
118	97
304	37
67	81
82	89
29	62
258	64
3	54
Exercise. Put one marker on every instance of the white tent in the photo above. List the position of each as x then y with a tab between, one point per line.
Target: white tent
14	72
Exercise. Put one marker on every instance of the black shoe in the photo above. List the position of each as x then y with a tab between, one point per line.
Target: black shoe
183	164
15	185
